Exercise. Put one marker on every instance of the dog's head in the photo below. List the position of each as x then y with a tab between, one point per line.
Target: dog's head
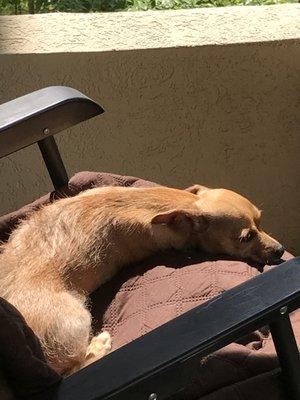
224	222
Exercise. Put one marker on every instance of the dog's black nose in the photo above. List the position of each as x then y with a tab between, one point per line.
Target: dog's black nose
278	251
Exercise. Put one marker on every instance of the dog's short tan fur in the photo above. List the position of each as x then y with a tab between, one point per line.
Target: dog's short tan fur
66	250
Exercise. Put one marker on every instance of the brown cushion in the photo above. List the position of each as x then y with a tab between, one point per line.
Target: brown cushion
265	386
151	293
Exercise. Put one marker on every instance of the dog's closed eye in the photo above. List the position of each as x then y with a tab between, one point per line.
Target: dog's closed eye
247	235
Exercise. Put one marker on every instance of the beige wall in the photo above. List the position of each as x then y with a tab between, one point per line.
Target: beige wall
221	115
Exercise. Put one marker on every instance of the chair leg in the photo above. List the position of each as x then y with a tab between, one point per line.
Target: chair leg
53	161
288	354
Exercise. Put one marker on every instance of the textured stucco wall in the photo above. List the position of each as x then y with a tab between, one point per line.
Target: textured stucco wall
222	115
145	30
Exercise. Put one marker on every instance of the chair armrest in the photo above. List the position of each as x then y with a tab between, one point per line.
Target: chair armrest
161	361
45	112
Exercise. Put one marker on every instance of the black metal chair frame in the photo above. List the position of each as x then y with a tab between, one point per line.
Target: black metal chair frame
158	364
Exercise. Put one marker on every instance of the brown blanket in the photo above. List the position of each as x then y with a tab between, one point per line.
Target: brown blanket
147	295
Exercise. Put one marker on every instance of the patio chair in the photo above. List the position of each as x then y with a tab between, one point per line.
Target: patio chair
159	364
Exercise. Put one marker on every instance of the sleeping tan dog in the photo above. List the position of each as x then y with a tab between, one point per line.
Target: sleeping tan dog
67	249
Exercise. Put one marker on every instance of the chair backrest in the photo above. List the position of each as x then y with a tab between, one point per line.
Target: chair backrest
36	117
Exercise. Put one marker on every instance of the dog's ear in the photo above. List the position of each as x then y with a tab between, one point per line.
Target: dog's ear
174	217
182	219
196	189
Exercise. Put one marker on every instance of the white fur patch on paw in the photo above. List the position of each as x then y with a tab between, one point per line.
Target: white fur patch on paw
100	346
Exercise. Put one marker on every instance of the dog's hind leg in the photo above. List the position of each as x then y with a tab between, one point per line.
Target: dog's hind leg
62	323
68	337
